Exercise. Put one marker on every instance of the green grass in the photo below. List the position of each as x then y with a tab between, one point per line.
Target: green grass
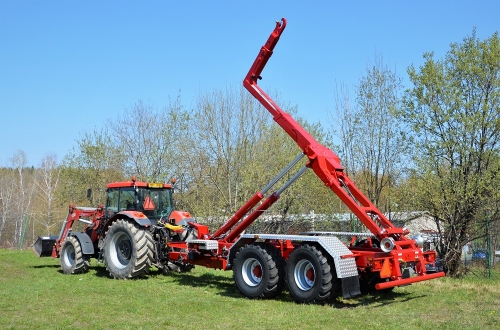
34	294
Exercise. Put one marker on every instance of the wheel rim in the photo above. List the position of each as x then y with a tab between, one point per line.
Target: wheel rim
305	275
121	250
69	255
252	272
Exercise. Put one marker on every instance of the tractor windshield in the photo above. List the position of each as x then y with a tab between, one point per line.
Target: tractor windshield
153	202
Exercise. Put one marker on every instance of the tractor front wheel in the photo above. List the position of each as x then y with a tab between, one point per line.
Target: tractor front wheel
128	250
72	259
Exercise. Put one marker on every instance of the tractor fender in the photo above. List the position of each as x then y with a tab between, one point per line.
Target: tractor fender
180	218
85	242
137	216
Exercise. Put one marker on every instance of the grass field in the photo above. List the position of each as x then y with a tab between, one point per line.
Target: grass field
34	294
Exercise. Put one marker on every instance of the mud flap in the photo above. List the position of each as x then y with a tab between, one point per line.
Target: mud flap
43	245
350	287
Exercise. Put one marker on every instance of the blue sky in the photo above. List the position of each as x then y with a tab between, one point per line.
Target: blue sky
67	67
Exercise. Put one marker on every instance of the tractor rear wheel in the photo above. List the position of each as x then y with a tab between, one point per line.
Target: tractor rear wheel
128	250
256	272
72	259
309	275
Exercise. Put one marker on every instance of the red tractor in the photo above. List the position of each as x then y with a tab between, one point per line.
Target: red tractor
130	232
138	228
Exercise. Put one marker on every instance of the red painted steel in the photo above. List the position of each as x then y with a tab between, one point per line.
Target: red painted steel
74	214
406	281
251	218
239	214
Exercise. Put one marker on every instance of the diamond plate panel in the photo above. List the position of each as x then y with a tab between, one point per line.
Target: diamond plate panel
205	244
332	245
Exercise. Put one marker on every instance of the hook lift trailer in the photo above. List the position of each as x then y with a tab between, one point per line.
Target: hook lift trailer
316	267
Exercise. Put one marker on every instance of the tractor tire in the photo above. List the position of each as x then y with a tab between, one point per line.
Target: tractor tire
257	273
72	259
128	250
309	275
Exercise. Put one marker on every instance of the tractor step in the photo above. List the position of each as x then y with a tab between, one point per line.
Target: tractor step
43	245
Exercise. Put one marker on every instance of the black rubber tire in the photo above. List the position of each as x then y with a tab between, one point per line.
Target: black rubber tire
256	272
128	250
309	275
280	265
72	259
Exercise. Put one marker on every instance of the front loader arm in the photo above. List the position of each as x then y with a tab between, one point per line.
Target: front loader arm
75	214
325	163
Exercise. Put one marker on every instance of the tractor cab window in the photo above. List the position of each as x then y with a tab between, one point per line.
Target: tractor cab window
155	203
120	199
127	199
112	202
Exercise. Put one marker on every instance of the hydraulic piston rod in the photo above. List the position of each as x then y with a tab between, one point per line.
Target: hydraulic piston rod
254	200
262	207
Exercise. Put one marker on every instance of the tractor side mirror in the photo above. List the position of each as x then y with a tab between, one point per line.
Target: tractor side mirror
89	194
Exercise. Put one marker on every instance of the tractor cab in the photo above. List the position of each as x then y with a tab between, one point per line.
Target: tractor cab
153	199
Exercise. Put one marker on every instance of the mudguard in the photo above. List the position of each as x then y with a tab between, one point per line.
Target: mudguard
85	242
140	218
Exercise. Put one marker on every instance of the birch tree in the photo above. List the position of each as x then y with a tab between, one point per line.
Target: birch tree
47	181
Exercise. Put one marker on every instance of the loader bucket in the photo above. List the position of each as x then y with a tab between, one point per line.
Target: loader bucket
43	245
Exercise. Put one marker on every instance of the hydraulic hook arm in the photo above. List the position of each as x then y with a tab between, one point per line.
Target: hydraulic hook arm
325	163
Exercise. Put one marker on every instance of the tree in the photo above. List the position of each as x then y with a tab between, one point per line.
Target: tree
219	152
23	194
47	181
7	193
91	164
149	137
454	108
373	143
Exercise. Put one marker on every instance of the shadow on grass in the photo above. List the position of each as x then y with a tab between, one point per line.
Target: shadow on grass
100	270
45	266
376	300
226	287
221	283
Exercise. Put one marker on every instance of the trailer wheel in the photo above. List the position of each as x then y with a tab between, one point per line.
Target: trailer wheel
256	272
128	250
72	259
308	275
